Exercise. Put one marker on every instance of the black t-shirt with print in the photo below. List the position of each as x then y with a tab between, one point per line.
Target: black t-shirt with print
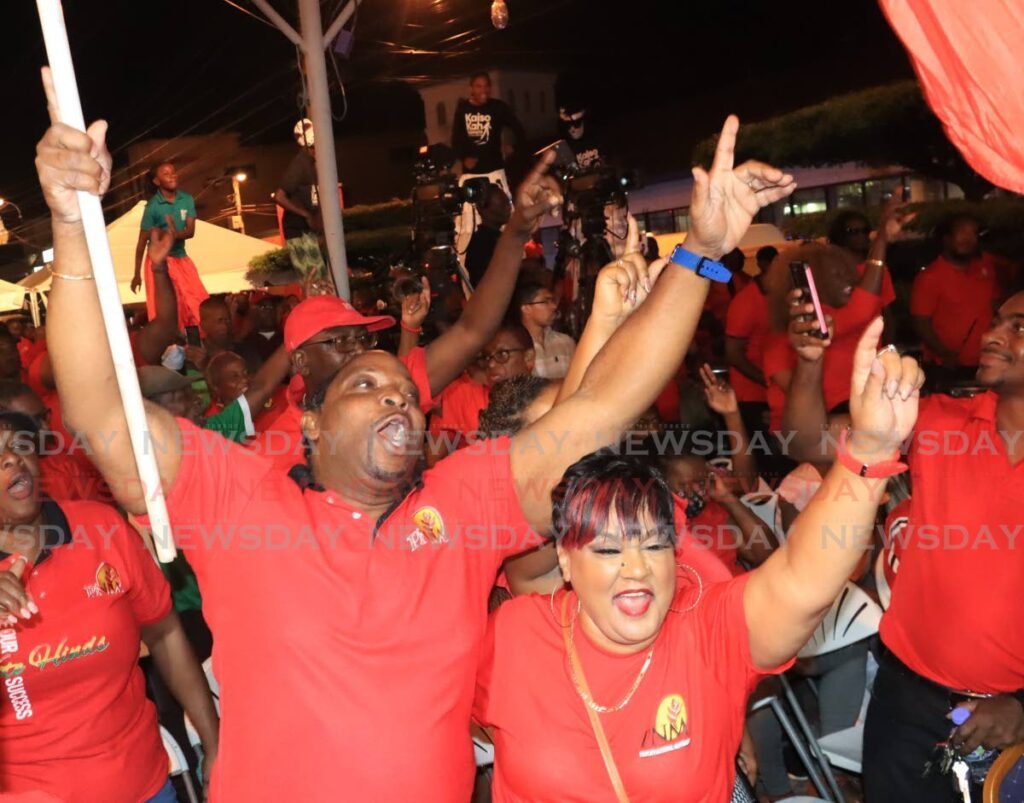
476	132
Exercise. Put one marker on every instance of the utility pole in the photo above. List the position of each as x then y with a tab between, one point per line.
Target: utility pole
312	42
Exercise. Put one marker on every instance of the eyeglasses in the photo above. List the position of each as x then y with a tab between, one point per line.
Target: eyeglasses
501	356
346	344
550	302
857	230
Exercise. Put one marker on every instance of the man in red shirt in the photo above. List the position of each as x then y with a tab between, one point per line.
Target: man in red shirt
952	634
362	597
953	298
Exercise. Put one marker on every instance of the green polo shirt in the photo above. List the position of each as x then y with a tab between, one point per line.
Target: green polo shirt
181	209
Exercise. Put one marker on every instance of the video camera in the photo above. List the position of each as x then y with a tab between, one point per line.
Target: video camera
437	196
589	190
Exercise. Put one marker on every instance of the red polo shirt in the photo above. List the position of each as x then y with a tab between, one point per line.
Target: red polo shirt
849	322
748	320
955	612
959	304
676	739
76	722
460	405
778	358
281	442
344	645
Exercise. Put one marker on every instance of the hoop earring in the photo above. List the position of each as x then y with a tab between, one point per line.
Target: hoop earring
700	587
551	605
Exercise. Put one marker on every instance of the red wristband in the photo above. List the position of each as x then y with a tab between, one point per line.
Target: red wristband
415	331
880	470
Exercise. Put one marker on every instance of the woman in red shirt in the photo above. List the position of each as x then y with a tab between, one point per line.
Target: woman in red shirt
78	593
632	684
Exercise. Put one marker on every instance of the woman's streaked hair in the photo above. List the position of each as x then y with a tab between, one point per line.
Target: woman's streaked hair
606	482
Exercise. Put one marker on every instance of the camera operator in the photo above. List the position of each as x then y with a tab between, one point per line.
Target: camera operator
477	128
572	119
494	209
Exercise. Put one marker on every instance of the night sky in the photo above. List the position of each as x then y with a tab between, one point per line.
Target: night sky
201	65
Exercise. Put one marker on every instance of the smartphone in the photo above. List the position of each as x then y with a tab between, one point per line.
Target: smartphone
803	280
192	336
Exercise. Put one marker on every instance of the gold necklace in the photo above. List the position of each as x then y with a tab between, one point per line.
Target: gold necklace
581	688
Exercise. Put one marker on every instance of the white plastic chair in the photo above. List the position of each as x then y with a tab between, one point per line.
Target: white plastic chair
177	765
853	617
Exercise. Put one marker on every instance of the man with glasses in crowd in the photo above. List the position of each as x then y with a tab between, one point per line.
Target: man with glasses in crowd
552	350
324	332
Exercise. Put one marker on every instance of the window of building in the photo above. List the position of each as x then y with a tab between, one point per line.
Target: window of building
442	114
682	219
807	202
876	191
661	222
848	195
511	98
542	102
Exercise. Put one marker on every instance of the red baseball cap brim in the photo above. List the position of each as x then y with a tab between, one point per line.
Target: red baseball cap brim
314	315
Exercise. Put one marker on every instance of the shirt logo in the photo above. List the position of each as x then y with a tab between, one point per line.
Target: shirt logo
429	528
670	731
184	215
478	127
108	581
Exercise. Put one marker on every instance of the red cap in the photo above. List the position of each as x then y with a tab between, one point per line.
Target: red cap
318	313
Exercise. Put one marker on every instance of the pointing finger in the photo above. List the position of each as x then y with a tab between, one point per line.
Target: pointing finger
725	151
864	356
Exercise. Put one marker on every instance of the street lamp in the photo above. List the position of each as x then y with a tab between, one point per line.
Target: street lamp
236	185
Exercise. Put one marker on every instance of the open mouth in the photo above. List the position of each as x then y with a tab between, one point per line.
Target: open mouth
635	602
21	486
396	432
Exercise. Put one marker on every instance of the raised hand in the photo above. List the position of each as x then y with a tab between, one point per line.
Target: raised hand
725	199
15	602
718	393
622	286
415	306
69	161
803	323
538	195
885	392
895	216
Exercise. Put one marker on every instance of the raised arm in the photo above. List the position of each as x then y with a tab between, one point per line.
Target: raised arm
67	161
626	377
160	332
736	357
267	379
452	352
188	232
612	306
804	416
140	252
786	597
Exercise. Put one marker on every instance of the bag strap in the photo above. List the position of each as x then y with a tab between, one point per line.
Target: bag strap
595	722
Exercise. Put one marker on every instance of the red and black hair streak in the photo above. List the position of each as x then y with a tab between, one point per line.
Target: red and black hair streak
606	482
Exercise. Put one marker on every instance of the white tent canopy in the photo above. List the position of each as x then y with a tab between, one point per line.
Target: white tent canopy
12	296
221	256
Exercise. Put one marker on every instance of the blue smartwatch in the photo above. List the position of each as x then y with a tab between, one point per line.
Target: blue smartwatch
702	266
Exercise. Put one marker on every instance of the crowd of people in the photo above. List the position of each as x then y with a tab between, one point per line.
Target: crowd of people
387	543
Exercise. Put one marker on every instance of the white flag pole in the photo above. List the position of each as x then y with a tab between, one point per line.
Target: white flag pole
55	35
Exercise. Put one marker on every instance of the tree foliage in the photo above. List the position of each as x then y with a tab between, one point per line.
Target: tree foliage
886	125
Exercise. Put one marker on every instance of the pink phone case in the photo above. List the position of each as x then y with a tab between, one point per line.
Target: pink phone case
814	300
